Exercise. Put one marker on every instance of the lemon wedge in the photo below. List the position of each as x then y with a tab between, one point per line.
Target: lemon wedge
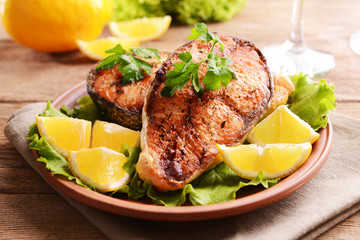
275	160
95	49
112	136
282	126
145	29
99	167
65	134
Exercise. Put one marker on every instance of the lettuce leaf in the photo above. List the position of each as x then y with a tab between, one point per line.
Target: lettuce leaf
51	111
217	185
135	189
171	198
312	101
132	154
86	110
221	184
54	162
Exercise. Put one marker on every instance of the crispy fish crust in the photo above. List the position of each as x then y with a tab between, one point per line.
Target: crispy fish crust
283	87
117	102
179	134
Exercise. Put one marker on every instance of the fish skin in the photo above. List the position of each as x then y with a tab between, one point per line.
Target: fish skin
179	134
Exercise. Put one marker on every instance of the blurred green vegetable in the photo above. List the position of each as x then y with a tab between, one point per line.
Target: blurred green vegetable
182	11
131	9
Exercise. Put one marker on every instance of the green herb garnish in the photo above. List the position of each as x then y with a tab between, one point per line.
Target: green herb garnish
130	66
219	72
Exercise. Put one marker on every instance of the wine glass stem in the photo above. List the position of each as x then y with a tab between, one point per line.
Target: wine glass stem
297	34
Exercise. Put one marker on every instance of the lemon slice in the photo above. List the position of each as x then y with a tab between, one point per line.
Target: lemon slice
112	136
275	160
145	29
282	126
99	167
65	134
95	49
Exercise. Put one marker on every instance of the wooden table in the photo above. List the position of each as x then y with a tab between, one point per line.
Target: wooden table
29	208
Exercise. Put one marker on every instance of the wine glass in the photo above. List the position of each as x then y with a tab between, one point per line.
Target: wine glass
293	56
355	42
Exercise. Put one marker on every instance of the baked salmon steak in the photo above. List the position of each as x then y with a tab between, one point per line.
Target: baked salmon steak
118	102
180	133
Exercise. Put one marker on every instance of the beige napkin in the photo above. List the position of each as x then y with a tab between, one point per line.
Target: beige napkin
330	197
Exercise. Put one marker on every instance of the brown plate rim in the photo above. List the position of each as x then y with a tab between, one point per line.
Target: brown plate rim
138	209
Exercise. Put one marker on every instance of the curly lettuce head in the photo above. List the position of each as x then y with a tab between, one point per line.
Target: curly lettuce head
194	11
131	9
182	11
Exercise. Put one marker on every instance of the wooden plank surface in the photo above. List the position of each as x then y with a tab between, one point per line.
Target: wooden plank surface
30	209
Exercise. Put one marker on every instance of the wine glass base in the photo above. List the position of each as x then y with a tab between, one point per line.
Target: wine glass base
283	59
355	42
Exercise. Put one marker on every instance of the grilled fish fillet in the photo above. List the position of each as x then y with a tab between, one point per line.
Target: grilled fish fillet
180	133
117	102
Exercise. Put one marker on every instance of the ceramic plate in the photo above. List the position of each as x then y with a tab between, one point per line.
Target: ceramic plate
249	198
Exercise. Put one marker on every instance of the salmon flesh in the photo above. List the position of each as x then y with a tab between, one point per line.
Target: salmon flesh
117	102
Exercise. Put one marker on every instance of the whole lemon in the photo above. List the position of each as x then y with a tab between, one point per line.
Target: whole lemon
54	25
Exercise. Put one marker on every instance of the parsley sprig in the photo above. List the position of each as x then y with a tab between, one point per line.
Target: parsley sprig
130	66
219	72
